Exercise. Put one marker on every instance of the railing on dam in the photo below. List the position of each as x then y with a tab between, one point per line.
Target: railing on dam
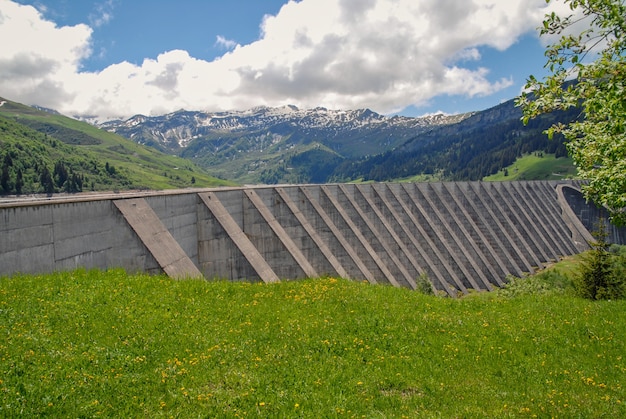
460	235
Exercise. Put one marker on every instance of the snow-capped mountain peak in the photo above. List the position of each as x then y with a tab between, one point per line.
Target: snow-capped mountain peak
347	132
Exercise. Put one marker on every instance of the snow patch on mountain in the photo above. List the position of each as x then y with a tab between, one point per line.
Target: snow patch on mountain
181	127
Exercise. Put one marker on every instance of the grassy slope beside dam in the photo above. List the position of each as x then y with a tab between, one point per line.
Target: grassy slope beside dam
90	344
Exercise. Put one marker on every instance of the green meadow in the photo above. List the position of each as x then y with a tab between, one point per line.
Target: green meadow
109	344
536	167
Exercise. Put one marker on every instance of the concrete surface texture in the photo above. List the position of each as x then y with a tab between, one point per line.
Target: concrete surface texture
461	236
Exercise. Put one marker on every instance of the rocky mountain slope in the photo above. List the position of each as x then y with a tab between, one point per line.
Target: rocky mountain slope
271	145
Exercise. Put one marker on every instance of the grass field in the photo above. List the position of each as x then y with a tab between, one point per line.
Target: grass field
108	344
534	167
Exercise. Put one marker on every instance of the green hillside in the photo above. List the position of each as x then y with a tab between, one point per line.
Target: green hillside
536	166
43	152
107	344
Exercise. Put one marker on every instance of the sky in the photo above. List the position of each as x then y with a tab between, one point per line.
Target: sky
118	58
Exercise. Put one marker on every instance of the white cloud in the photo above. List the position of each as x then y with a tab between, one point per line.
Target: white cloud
103	14
225	43
39	59
381	54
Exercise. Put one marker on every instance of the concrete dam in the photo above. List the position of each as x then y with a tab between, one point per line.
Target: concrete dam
461	236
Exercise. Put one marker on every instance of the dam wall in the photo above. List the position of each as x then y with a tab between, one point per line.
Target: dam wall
461	236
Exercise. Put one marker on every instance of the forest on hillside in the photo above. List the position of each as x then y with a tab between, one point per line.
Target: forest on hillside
478	150
35	162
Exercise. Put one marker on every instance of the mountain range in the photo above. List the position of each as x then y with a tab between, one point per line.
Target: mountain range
292	145
177	130
44	151
260	145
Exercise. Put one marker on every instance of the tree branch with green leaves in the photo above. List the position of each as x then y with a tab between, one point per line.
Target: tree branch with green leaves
588	70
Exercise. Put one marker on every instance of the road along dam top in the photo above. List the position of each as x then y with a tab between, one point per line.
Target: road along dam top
461	236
